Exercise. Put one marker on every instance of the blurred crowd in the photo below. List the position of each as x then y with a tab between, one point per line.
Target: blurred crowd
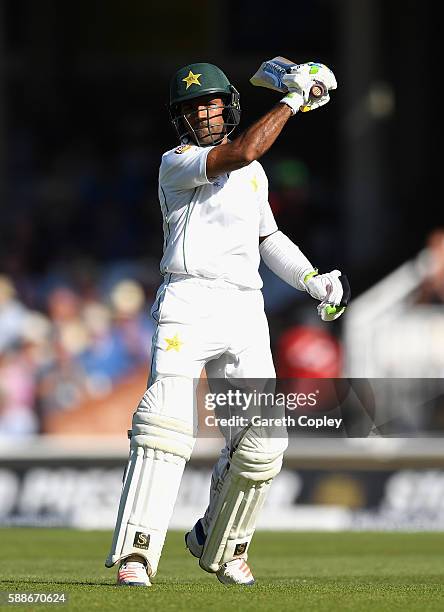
84	339
79	346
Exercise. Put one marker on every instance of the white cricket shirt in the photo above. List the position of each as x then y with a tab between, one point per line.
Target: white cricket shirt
212	228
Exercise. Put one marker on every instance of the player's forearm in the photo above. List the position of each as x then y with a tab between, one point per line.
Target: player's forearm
258	138
285	259
251	144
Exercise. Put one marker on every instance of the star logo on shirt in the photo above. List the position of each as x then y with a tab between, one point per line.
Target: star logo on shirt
254	183
192	79
173	344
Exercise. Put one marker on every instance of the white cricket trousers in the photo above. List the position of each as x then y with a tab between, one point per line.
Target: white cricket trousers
204	322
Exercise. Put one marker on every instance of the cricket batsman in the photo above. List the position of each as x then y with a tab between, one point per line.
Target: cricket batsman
217	224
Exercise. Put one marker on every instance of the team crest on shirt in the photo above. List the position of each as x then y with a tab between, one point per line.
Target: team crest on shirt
182	148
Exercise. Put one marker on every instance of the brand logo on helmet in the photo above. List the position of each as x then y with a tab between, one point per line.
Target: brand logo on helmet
192	79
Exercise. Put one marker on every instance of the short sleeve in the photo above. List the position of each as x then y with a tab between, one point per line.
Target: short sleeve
184	167
267	223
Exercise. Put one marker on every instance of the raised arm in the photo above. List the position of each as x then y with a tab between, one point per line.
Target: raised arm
258	138
251	144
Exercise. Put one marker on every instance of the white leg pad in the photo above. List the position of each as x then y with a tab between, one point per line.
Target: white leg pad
161	443
238	497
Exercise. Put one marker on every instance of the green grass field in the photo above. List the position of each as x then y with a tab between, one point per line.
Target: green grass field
294	571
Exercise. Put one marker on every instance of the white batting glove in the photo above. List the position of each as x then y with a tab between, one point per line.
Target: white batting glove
298	87
332	290
300	80
314	70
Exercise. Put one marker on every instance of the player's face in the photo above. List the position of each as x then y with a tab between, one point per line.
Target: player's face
205	116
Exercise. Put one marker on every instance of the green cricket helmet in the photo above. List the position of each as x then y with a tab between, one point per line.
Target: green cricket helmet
196	80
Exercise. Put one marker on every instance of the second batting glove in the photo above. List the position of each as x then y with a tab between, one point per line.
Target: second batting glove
301	78
332	290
